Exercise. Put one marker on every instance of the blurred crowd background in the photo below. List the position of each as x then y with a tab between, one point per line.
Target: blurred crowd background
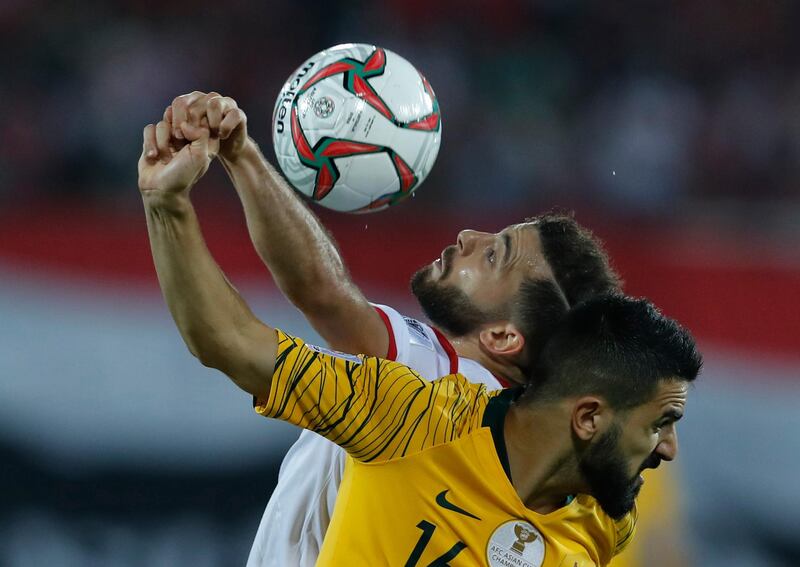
670	128
646	108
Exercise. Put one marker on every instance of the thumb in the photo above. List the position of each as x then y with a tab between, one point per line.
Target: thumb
201	141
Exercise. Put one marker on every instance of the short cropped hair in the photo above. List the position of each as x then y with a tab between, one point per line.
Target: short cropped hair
537	310
616	347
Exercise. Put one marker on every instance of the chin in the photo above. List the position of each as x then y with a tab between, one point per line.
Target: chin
619	509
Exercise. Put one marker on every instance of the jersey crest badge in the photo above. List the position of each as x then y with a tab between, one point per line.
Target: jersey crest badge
516	543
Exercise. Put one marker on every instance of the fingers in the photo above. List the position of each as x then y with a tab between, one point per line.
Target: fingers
149	146
217	108
203	147
162	137
234	119
191	113
193	133
180	111
198	108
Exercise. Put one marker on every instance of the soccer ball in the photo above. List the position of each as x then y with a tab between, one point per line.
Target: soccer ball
356	128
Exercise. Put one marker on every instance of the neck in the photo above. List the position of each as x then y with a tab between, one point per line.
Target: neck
543	467
469	346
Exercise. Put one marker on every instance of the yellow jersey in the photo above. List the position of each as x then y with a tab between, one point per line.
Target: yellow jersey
429	481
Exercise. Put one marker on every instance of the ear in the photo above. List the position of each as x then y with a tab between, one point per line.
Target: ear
502	339
590	415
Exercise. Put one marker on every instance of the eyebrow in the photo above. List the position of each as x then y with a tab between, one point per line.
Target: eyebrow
507	251
671	415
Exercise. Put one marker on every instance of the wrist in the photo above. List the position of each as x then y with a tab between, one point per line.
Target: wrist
176	203
247	153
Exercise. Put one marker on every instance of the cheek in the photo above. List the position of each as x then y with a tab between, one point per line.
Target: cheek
642	447
461	271
468	278
651	444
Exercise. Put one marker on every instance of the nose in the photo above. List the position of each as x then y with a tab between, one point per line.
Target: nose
467	240
667	447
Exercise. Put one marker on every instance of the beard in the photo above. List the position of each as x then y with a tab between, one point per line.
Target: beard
446	306
604	468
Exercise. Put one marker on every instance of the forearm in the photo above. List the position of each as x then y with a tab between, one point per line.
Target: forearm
214	321
303	258
278	221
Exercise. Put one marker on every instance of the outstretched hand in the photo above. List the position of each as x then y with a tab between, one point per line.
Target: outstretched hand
172	166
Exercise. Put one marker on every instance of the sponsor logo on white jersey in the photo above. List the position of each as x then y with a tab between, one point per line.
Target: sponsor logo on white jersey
417	333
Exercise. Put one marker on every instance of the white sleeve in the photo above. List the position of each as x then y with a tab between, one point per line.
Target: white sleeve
294	524
398	333
426	350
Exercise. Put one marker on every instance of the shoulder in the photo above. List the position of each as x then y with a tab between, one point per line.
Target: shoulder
408	338
458	383
457	391
427	350
464	401
289	345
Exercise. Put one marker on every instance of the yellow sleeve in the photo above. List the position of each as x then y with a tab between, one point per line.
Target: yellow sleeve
375	409
625	528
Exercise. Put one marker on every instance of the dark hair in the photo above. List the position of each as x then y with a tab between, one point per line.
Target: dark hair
576	256
581	270
616	347
538	308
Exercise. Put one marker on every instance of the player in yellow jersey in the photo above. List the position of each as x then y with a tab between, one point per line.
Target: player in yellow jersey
447	473
564	457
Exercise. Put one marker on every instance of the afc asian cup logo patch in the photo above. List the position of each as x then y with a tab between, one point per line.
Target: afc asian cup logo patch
515	544
324	106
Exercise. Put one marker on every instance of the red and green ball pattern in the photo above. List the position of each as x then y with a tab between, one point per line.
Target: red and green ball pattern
321	156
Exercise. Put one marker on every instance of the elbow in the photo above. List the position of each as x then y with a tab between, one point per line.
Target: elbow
208	359
205	356
208	350
228	360
245	354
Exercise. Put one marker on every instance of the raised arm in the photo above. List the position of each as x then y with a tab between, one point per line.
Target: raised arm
214	321
298	251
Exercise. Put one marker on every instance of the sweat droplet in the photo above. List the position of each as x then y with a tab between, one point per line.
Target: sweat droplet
613	173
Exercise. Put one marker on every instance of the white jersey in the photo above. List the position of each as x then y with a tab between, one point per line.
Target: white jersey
294	524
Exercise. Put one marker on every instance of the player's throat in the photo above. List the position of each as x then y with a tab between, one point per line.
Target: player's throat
495	418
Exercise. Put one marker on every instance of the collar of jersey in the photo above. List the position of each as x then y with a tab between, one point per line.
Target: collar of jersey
494	417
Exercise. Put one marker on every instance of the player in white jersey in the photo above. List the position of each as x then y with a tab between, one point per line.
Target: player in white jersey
492	298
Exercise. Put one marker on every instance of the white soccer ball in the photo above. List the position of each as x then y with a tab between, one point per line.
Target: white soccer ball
356	128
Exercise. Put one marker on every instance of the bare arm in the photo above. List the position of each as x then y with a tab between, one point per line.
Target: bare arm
298	251
214	321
